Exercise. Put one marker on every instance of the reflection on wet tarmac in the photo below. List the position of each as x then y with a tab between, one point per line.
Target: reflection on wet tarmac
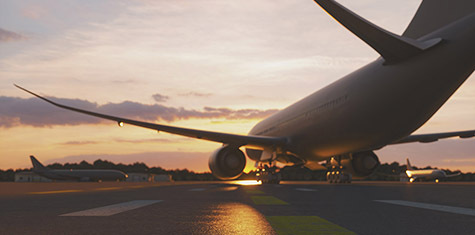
235	218
231	188
246	182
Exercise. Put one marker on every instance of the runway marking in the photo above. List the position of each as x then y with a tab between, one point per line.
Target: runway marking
113	209
106	189
254	191
305	225
267	200
450	209
306	189
138	186
197	189
58	191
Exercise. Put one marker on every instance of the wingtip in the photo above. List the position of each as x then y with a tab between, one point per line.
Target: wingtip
28	91
21	88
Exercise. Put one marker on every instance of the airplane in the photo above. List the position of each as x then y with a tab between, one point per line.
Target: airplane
75	174
427	174
380	104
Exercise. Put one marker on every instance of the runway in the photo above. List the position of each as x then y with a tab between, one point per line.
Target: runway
232	208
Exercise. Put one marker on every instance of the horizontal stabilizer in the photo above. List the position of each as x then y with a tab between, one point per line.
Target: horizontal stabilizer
391	47
435	14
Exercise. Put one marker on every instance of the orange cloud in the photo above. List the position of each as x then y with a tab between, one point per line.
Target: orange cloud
9	36
34	112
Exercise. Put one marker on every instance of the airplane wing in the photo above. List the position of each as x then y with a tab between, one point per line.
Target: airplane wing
225	138
453	175
427	138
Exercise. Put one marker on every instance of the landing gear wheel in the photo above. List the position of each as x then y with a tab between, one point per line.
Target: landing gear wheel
268	175
338	177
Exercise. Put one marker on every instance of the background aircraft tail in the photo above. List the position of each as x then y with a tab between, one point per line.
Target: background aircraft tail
37	166
435	14
409	167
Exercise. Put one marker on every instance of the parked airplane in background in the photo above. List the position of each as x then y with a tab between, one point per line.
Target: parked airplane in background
77	175
379	104
426	174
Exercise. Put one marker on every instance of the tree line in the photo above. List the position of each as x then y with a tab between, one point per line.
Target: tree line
385	172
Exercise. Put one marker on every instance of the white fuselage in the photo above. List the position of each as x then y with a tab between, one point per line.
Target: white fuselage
83	175
426	174
377	104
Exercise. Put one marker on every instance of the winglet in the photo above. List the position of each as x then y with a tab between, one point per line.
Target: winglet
391	47
37	166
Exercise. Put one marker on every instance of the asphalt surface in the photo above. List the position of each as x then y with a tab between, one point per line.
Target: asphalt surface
230	208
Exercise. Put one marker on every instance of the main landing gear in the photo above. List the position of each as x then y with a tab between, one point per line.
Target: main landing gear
268	174
338	177
335	172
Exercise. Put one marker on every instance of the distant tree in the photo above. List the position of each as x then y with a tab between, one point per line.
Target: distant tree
384	172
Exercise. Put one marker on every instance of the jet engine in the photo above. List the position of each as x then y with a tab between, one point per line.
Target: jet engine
227	162
361	164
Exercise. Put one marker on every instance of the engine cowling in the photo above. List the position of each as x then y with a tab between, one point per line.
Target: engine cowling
227	163
361	164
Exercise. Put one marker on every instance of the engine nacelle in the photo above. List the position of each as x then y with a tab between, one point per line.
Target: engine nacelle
227	163
361	164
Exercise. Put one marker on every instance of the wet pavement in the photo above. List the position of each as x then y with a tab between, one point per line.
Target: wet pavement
237	208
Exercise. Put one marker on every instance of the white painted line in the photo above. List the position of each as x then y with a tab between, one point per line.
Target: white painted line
450	209
113	209
306	189
197	189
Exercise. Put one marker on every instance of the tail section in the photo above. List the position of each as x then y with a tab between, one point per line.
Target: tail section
409	167
435	14
391	47
37	166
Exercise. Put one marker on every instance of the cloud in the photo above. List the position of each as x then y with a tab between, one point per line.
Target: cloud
9	36
196	94
125	81
119	140
140	141
160	98
34	112
34	12
86	142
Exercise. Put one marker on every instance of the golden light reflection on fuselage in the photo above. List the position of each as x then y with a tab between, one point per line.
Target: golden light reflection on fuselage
237	218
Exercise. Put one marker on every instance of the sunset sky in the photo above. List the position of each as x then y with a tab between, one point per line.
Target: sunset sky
208	64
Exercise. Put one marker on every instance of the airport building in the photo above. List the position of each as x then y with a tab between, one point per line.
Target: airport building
403	177
28	176
138	177
162	178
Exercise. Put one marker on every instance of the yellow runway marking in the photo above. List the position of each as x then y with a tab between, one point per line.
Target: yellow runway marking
138	186
254	191
110	188
305	225
267	200
58	191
